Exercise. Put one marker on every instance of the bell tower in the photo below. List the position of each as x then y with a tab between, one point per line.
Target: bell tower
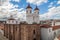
36	15
28	9
29	17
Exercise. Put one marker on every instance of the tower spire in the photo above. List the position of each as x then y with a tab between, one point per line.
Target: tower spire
36	8
29	6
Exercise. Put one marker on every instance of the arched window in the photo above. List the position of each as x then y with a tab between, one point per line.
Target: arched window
49	30
30	11
34	39
54	34
12	21
27	11
38	12
33	31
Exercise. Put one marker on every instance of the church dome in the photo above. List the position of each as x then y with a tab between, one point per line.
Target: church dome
11	18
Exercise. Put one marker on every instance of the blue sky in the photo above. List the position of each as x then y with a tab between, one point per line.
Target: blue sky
49	9
43	7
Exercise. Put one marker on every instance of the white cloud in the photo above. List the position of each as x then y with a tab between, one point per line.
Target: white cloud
22	15
4	8
37	2
51	4
53	13
17	13
3	2
7	9
58	2
16	0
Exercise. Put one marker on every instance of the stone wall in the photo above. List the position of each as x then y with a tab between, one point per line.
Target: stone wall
22	31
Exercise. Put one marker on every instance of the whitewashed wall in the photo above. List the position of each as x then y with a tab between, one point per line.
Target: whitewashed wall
12	22
57	23
47	34
29	18
57	32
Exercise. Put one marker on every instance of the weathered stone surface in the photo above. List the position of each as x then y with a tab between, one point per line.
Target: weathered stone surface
2	37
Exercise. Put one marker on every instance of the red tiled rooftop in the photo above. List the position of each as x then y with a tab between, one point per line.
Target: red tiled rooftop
45	26
56	27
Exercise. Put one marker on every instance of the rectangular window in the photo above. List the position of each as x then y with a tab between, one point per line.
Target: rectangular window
49	30
30	11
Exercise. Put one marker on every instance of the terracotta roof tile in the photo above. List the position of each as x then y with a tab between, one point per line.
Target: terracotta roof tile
45	26
56	27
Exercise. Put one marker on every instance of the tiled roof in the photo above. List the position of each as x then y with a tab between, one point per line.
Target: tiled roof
45	26
56	27
11	19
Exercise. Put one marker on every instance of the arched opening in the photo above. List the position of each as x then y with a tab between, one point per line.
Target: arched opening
33	31
34	39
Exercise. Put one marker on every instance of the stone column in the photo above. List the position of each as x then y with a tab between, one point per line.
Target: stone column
38	33
18	36
30	32
4	29
13	32
7	30
19	32
10	36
